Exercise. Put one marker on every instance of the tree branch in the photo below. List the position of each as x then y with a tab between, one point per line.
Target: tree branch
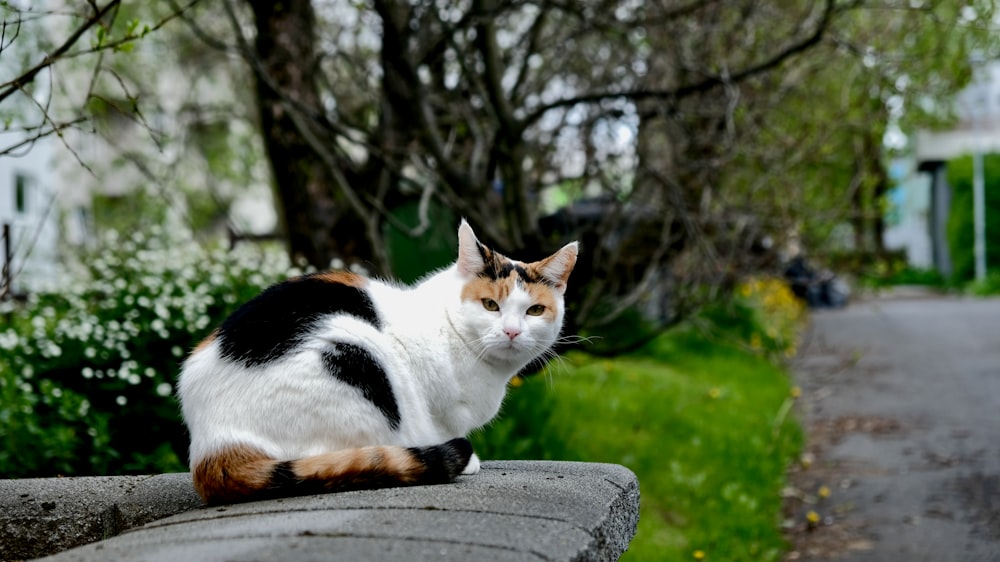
704	85
12	86
42	132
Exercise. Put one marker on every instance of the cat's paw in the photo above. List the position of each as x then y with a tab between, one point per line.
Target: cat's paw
473	466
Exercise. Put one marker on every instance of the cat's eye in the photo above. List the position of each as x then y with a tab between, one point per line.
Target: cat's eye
491	305
536	310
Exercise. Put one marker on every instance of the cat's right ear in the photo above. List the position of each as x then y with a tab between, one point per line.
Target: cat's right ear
471	261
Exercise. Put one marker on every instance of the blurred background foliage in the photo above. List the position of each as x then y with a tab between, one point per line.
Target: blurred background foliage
691	147
687	145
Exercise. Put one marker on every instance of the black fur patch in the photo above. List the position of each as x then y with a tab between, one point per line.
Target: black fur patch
444	462
283	476
285	483
497	267
355	366
271	324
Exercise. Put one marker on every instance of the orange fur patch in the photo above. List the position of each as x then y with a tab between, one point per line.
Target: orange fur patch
480	288
241	473
234	474
342	278
356	467
558	265
206	342
545	296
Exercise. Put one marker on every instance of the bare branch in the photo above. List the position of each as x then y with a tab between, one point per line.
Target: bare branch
703	85
15	85
42	132
202	35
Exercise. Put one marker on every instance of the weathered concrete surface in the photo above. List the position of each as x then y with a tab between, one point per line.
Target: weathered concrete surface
39	516
902	398
511	510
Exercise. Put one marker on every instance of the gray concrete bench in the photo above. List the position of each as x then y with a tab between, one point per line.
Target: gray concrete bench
511	510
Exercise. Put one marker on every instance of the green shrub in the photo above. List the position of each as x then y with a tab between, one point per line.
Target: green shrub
87	366
412	257
912	276
988	286
960	219
763	315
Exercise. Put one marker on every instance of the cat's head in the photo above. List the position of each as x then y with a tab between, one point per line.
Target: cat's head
511	312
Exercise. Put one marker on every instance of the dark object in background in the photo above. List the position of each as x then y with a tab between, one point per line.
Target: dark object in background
817	289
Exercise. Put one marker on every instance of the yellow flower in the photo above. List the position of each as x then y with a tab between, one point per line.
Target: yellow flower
795	392
714	392
823	492
806	460
699	555
812	518
516	382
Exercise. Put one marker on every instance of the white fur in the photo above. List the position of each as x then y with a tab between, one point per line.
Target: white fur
448	362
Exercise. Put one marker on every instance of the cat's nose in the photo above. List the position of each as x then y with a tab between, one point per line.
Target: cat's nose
512	333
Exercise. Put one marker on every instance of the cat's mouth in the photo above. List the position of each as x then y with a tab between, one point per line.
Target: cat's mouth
511	348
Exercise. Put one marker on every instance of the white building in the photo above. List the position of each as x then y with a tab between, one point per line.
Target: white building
28	218
922	194
47	193
908	218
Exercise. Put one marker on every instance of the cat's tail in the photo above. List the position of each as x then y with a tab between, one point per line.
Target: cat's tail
240	473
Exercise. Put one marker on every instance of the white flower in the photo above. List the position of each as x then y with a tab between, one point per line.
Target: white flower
8	339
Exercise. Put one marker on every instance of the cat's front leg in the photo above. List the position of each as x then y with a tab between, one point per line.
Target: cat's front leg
473	466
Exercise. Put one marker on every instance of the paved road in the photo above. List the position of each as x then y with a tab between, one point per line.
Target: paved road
902	401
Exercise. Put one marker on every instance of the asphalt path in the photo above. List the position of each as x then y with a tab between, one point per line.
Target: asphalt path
901	401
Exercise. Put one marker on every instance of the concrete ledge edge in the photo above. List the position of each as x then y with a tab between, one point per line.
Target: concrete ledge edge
598	502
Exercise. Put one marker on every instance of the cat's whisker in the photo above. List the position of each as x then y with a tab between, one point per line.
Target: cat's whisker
575	339
555	365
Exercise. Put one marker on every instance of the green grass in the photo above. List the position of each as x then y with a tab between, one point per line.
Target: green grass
906	276
703	425
988	287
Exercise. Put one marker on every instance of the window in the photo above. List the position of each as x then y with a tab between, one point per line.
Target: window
21	183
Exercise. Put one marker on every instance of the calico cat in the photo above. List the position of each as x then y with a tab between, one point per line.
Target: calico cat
332	381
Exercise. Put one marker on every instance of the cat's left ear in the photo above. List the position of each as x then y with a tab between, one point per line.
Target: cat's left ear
557	267
471	261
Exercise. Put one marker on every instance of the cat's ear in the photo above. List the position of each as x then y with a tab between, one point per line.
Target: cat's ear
470	252
557	267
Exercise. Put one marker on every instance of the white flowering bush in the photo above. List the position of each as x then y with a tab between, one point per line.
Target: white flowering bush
88	365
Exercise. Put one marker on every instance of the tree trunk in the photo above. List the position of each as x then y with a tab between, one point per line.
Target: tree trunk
319	225
880	188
